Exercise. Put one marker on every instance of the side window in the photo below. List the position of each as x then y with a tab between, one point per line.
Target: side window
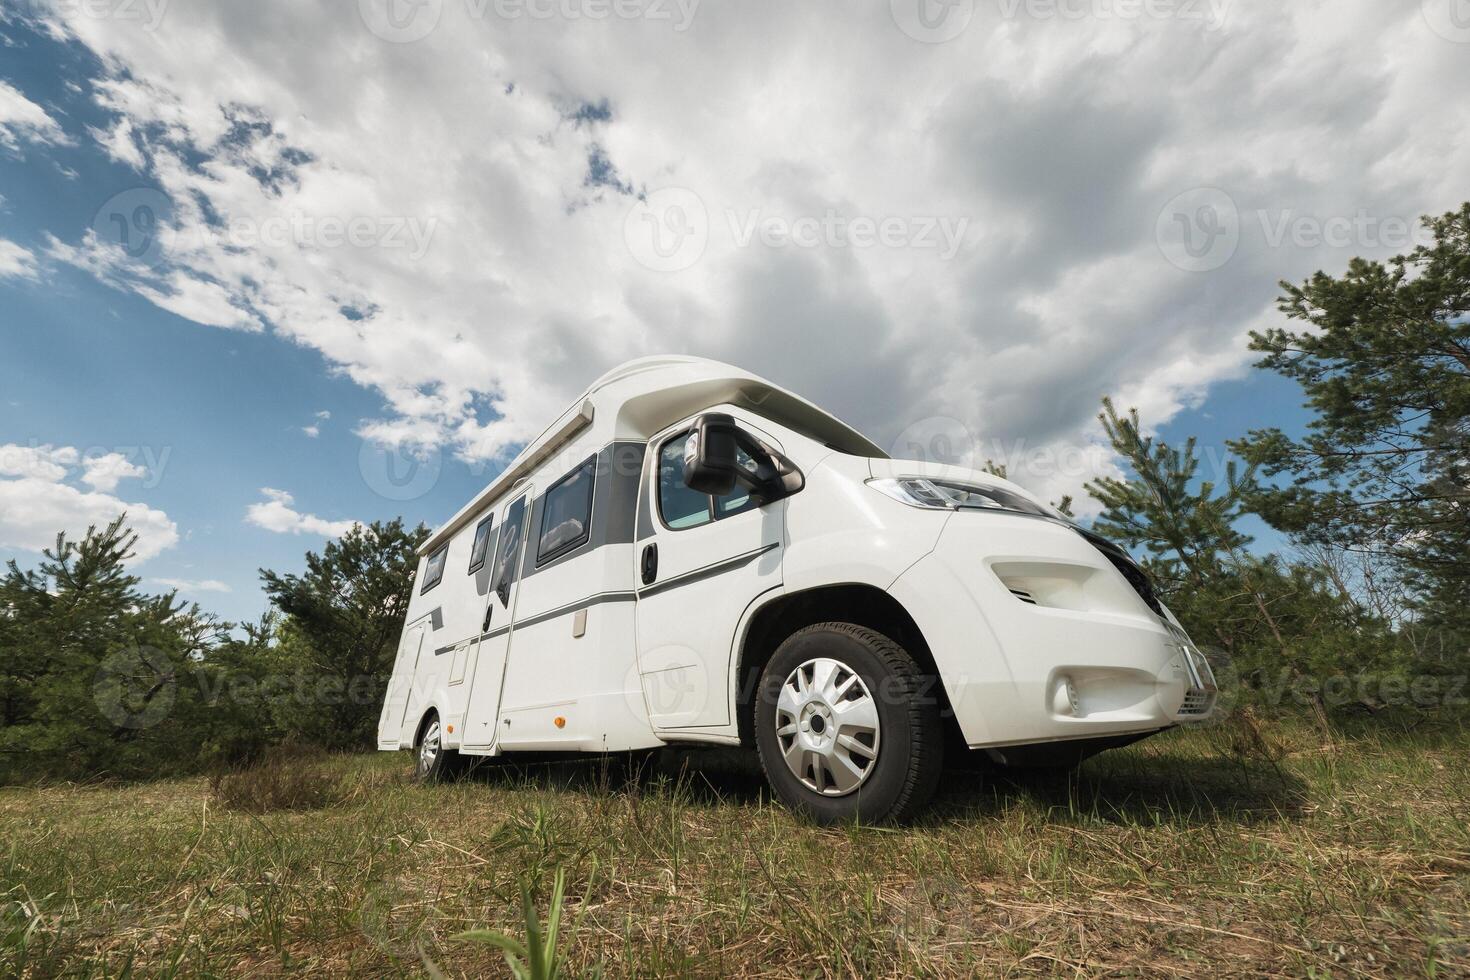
683	508
434	571
482	543
566	513
509	551
680	506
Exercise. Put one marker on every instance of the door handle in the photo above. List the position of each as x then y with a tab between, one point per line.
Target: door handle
650	564
485	626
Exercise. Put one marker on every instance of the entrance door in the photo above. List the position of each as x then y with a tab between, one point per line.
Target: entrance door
483	709
400	688
708	559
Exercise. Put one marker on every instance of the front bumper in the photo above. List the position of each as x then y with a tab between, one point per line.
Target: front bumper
1038	637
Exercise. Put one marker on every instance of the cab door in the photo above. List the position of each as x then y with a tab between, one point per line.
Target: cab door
482	711
707	560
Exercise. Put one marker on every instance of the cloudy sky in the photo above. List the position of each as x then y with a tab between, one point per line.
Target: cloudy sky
270	268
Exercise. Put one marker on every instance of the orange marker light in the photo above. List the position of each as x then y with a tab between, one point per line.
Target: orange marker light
560	722
450	729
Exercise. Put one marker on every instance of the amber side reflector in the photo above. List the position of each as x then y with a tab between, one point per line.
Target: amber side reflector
560	722
451	729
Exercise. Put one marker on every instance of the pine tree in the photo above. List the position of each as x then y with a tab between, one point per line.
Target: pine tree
1384	360
1186	528
342	622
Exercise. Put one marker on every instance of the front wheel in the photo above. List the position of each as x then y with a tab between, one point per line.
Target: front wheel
847	726
433	763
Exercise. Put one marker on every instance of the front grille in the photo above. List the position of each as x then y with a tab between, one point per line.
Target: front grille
1196	703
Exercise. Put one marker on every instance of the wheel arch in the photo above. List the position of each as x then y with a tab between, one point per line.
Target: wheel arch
430	709
849	602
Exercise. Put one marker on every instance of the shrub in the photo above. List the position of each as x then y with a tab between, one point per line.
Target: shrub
284	779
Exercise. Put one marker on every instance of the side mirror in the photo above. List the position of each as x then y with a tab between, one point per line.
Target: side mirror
712	462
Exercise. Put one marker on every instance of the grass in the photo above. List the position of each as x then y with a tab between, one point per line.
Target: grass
1200	852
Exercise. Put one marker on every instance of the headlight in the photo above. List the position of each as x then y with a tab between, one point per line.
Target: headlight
954	495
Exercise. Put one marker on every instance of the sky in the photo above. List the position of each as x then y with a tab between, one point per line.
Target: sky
268	269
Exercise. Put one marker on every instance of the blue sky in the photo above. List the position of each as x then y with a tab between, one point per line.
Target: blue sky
212	415
1076	208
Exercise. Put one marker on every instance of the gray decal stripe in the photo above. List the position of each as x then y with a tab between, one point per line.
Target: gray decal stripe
571	607
708	571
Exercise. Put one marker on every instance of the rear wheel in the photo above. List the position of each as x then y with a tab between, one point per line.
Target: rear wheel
847	726
433	763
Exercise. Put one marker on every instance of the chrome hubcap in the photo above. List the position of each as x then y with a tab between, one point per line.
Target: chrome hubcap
429	747
827	727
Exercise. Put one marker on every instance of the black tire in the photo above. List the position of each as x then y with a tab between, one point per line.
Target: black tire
910	740
445	764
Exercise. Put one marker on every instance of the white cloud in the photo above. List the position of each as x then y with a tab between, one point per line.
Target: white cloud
277	514
192	585
16	262
33	509
39	462
105	472
36	502
491	277
21	120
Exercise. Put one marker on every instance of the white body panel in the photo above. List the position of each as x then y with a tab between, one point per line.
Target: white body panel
708	576
585	655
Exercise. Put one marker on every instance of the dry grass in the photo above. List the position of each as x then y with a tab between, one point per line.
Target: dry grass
1224	851
286	779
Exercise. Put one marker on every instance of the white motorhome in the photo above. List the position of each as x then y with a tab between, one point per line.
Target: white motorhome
692	554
